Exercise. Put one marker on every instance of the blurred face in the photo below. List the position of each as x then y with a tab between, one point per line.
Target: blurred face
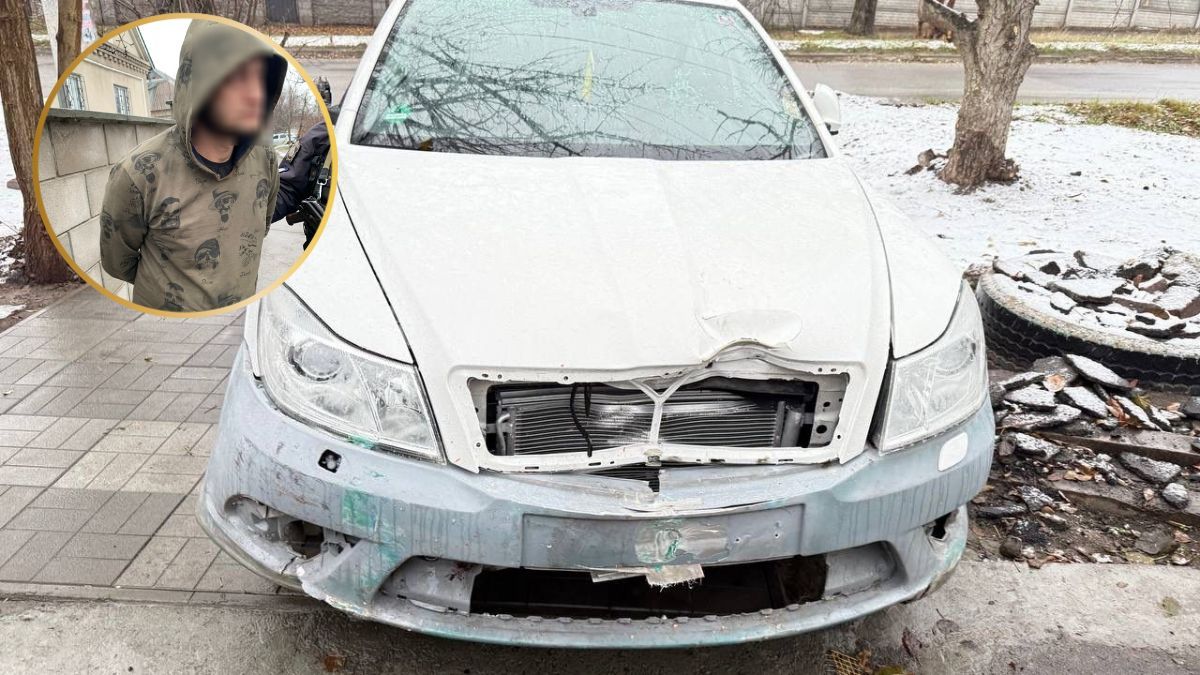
238	105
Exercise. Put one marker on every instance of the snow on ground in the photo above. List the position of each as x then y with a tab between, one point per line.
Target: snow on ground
10	199
1135	189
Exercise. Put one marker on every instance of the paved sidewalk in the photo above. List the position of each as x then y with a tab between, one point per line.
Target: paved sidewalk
107	417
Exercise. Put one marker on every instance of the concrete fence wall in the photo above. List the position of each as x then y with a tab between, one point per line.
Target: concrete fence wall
77	150
901	14
783	14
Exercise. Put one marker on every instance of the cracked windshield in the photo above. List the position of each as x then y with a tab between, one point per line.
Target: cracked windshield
560	78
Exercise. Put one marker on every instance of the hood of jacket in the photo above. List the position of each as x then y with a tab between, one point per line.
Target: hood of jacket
211	51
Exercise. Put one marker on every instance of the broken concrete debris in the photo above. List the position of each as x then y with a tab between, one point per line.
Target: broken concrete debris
1150	470
1001	511
1086	400
1097	290
1176	495
1035	398
1192	408
1156	541
1134	410
1094	371
1035	499
1056	492
1031	421
1154	296
1031	446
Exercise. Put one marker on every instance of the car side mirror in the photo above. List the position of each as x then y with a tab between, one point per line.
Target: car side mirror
333	112
828	107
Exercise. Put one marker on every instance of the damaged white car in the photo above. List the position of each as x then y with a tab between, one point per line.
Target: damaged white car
604	345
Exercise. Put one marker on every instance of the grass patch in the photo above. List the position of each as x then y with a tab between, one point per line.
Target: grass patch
1167	116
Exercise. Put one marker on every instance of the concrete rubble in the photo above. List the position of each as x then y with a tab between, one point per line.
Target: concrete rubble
1155	296
1091	467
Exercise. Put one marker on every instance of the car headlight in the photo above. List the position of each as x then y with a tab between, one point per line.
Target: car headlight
316	377
939	386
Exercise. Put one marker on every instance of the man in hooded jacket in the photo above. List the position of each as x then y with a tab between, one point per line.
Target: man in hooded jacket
184	215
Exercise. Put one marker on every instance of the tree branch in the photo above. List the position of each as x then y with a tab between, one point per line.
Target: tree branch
952	17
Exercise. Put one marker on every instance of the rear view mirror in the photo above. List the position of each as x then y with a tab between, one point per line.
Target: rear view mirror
828	107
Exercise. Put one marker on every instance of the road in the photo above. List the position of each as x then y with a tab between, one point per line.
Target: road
990	618
1045	82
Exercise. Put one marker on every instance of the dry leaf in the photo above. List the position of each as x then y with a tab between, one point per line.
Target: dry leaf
1055	382
1171	606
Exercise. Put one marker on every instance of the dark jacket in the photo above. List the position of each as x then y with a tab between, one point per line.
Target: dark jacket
299	169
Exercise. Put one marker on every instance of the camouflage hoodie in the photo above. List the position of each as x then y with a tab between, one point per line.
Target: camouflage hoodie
187	239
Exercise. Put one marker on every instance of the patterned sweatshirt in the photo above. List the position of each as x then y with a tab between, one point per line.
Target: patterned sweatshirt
187	239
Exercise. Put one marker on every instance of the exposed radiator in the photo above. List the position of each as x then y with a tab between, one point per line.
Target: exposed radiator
563	418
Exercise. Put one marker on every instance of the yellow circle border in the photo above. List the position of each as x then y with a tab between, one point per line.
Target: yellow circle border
37	184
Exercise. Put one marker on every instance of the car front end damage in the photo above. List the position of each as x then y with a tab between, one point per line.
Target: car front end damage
624	512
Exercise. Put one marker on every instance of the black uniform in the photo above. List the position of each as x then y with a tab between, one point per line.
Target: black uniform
299	175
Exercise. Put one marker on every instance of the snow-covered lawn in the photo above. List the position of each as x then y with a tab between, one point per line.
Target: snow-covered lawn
1134	189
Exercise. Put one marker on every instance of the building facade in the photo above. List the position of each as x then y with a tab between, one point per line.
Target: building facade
112	79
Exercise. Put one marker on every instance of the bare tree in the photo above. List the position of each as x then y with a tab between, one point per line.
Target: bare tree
996	53
862	21
70	32
296	111
21	94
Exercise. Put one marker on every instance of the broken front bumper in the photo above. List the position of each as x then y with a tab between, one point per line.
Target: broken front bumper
878	522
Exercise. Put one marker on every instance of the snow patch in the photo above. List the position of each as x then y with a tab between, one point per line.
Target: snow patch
1134	189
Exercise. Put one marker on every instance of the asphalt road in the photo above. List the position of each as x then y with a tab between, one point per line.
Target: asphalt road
1045	82
990	618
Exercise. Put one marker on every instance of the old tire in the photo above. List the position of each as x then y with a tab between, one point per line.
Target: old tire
1019	333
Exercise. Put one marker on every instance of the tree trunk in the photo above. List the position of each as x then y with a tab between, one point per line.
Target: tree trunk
996	54
70	32
862	21
21	94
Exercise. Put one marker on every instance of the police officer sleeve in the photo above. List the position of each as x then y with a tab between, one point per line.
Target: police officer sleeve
296	170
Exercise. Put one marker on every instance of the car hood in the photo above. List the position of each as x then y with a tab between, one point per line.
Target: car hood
610	264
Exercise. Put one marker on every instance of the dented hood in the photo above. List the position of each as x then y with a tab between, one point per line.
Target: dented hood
609	264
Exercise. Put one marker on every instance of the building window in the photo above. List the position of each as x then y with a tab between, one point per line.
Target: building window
71	96
122	95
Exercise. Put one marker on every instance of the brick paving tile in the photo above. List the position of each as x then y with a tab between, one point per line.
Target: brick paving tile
84	500
152	514
45	457
83	571
106	546
107	418
152	561
14	499
34	476
49	520
87	435
27	561
189	565
115	512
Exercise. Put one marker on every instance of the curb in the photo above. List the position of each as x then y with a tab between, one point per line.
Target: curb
286	600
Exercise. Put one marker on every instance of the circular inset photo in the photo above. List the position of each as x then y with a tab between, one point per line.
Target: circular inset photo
184	164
